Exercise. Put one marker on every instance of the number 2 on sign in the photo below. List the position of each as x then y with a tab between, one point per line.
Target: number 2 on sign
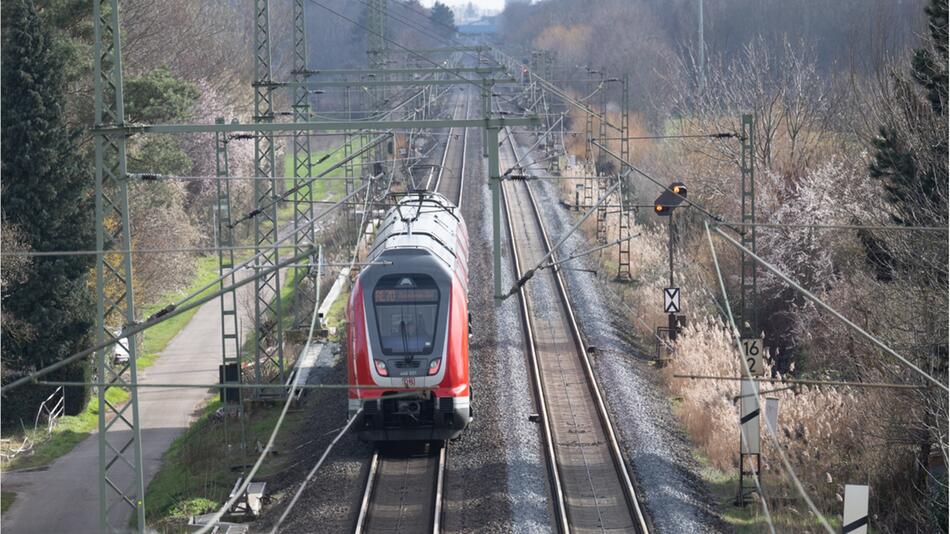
753	355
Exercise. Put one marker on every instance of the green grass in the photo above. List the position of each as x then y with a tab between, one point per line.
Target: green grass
331	190
750	519
196	474
6	500
69	432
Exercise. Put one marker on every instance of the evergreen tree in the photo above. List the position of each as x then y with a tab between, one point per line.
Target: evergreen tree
914	174
442	16
47	197
910	154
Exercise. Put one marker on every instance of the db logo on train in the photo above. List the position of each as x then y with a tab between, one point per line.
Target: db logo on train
409	381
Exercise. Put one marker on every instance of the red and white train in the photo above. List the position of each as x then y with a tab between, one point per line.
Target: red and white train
408	325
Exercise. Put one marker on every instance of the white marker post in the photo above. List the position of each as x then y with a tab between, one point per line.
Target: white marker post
771	414
749	417
671	300
750	461
855	519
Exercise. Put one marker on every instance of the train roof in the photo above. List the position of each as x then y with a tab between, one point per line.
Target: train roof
424	221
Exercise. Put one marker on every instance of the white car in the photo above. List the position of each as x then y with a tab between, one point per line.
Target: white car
120	354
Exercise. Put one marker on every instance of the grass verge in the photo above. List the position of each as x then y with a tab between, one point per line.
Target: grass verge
791	515
6	500
200	468
69	432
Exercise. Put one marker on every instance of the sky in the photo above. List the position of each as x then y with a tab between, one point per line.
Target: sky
493	5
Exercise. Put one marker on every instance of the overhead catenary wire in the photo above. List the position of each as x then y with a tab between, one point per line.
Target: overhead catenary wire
690	203
173	310
810	296
293	190
530	272
155	319
270	442
770	432
587	252
806	382
313	471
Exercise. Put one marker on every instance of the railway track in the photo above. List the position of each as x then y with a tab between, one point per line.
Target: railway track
449	180
403	490
592	489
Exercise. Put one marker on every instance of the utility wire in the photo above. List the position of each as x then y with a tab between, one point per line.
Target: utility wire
770	432
160	316
808	295
893	227
699	207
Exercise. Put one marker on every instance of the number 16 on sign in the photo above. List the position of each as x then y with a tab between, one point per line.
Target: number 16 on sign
752	349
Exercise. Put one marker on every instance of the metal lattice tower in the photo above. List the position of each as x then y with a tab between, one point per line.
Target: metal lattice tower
601	157
626	187
348	167
303	198
120	438
747	303
589	167
376	30
378	56
224	240
267	302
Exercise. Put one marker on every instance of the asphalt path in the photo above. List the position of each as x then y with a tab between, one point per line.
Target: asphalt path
64	496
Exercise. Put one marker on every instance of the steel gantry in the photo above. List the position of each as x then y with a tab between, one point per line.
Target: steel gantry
120	438
268	308
303	198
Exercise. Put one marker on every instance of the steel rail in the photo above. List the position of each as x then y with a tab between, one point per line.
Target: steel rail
557	489
393	476
640	521
460	179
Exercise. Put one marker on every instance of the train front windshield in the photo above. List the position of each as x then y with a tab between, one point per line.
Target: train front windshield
407	311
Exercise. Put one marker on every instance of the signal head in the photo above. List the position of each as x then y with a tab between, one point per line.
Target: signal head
679	188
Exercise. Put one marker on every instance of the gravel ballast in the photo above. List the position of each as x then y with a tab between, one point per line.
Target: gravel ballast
496	480
657	449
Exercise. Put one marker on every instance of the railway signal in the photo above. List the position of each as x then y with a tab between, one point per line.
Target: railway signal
670	199
663	206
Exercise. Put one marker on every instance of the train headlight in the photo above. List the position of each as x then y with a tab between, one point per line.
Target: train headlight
434	366
381	368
